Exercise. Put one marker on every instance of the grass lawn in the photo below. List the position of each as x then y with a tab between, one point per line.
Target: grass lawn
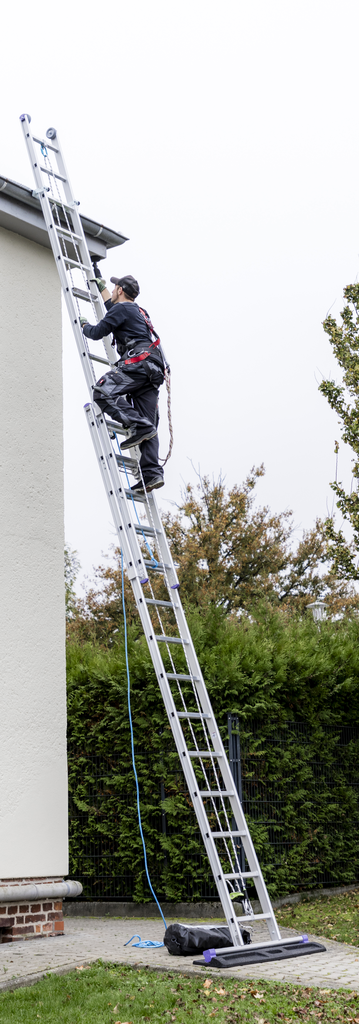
335	917
108	993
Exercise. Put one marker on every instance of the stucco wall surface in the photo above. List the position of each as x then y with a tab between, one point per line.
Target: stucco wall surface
33	786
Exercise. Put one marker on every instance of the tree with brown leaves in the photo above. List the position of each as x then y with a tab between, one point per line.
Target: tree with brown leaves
230	553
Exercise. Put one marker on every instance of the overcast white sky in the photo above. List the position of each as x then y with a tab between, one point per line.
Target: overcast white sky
223	140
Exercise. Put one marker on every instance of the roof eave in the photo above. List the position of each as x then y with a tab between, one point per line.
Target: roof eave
20	211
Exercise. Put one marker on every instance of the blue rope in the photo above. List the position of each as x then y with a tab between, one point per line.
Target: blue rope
143	943
154	562
133	750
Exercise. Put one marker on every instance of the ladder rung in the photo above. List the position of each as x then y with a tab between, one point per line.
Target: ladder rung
175	675
45	142
115	426
75	263
158	568
163	604
79	293
171	639
135	495
61	205
244	874
254	917
52	174
149	532
99	359
204	753
67	234
191	714
216	792
227	835
124	460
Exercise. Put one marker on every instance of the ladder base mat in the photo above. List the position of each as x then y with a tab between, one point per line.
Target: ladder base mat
262	956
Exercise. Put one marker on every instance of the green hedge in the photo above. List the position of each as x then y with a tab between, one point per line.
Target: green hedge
301	790
301	799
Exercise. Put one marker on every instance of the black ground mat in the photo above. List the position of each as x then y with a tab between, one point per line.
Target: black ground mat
242	957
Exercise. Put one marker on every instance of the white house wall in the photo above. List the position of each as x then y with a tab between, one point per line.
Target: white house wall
33	784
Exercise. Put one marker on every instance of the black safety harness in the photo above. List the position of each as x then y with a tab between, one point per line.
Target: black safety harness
154	344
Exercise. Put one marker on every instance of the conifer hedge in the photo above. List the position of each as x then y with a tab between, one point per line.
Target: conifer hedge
295	689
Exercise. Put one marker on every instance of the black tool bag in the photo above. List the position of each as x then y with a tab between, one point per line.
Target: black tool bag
183	941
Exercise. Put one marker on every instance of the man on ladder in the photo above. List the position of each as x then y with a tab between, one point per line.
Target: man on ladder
129	393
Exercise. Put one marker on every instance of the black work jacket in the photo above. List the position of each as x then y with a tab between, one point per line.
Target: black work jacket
130	332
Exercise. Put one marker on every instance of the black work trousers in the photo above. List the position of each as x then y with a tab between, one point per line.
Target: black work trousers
132	400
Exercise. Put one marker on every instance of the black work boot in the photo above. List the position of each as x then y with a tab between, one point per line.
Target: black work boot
138	488
157	481
142	434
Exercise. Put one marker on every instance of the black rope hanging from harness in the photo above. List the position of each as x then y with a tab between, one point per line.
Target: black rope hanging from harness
169	414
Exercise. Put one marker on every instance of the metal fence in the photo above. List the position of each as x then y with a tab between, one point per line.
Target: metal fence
300	792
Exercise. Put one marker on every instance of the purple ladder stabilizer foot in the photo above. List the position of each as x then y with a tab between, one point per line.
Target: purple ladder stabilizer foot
175	586
208	955
144	581
305	938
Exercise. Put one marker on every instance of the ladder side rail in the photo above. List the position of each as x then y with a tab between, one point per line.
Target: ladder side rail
64	172
52	228
59	260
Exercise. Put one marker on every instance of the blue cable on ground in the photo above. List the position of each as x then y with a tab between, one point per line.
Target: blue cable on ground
133	759
143	943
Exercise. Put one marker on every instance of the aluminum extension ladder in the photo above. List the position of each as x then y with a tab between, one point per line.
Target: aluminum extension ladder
199	745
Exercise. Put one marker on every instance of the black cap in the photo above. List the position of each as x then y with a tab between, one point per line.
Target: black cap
129	285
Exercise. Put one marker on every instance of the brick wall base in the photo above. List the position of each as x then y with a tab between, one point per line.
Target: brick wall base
30	920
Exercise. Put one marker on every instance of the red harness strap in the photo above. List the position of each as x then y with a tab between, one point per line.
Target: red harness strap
154	344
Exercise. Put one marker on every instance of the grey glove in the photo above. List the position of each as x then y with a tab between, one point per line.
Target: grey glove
83	320
101	283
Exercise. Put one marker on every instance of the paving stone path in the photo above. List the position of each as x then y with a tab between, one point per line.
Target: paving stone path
88	939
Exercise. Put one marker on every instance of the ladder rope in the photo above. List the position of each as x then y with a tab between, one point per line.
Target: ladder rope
133	744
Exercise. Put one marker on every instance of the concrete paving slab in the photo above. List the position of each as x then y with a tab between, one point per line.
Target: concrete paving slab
89	939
